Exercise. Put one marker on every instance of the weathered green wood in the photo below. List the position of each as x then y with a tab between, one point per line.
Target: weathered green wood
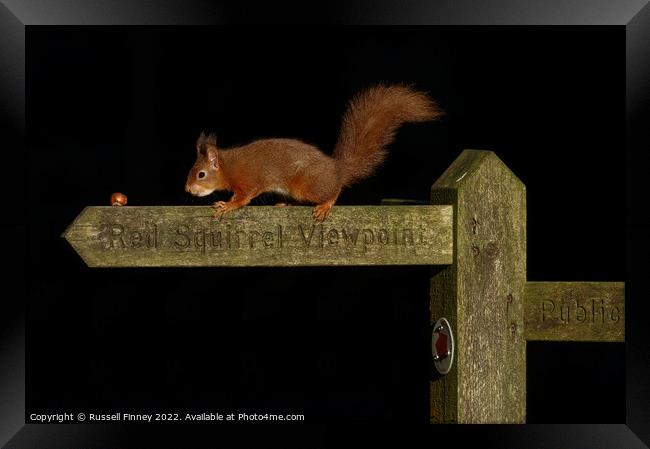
574	311
481	293
155	236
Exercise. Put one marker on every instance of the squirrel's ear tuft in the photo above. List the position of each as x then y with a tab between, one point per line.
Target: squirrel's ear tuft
211	139
204	141
200	143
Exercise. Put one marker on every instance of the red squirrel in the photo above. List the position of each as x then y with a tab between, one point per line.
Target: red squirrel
301	171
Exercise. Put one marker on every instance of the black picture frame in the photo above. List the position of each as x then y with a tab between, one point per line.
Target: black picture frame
15	16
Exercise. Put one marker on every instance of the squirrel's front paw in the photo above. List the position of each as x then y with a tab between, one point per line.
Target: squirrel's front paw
221	208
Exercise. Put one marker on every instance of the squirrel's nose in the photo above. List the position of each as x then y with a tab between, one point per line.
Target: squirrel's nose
187	188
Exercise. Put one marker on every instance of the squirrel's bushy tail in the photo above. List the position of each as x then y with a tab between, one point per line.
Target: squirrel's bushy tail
370	123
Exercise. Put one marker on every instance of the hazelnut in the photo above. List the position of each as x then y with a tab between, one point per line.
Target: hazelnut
118	199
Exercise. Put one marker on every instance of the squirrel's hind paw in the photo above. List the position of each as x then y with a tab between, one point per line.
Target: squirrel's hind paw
322	211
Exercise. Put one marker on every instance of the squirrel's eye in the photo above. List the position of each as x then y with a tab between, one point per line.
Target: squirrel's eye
201	174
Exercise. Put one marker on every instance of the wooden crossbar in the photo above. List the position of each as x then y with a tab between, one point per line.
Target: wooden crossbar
174	236
574	311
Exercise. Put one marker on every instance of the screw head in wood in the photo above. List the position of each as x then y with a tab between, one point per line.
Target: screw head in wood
118	199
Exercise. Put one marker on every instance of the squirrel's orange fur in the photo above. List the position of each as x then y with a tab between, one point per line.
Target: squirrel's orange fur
302	171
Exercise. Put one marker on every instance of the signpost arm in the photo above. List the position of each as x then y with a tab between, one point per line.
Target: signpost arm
575	311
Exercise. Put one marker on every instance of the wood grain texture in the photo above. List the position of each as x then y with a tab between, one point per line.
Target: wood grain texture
575	311
169	236
481	293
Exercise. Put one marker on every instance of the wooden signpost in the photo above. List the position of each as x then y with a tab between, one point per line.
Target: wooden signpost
475	228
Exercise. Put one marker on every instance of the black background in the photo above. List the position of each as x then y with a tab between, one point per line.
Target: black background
119	110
